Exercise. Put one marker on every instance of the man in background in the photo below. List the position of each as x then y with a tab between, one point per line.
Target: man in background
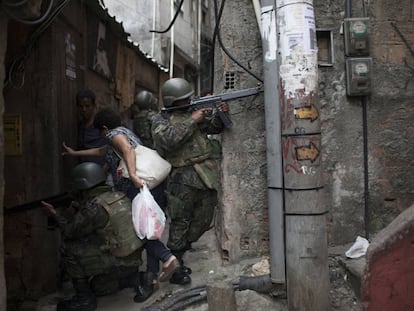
88	136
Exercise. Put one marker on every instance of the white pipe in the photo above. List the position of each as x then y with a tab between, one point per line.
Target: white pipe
273	141
199	46
257	10
154	11
172	43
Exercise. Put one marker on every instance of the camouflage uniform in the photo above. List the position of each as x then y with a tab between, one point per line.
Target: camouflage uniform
192	185
99	238
142	126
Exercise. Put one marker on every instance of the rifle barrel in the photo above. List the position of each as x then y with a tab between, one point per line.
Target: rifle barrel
56	199
200	101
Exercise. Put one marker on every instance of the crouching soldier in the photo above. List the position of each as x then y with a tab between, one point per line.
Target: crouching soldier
100	250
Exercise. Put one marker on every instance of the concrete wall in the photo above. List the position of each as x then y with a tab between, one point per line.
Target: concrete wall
389	122
243	222
242	227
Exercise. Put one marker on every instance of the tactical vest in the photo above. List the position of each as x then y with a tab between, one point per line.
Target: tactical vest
194	150
142	127
119	232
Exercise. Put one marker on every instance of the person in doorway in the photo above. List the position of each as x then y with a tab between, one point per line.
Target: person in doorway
121	142
88	135
99	241
181	136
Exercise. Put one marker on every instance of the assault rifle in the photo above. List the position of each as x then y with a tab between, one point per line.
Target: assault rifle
60	199
213	101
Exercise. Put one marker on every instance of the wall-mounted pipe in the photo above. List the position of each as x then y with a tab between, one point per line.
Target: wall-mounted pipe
273	141
348	8
172	43
364	105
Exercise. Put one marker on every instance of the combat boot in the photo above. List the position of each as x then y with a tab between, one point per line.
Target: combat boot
117	279
131	281
182	274
147	286
180	277
84	299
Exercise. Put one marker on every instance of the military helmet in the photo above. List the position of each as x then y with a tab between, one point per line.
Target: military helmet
87	175
145	100
175	89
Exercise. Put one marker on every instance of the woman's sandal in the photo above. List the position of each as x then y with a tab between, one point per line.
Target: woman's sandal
168	268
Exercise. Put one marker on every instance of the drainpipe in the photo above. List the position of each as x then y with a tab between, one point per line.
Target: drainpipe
364	105
199	4
172	42
348	8
273	140
257	11
154	14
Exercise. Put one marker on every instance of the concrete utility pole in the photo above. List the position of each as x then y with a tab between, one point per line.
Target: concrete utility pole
295	77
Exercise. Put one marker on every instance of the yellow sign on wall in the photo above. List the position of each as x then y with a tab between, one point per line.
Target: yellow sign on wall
13	134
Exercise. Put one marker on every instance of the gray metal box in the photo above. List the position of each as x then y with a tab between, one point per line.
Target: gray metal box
358	76
356	35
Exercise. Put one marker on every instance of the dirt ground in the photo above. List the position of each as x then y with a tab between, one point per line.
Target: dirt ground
207	267
341	295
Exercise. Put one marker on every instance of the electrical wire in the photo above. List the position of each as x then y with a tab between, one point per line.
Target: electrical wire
172	21
17	66
364	11
28	22
180	300
364	102
183	305
398	31
218	34
14	4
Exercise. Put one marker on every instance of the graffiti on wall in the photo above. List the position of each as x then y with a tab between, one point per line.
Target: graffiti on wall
102	49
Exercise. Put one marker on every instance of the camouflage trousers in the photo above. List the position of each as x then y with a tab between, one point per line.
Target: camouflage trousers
86	257
191	207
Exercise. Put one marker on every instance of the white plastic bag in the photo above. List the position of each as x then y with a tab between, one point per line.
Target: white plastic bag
147	217
150	166
358	249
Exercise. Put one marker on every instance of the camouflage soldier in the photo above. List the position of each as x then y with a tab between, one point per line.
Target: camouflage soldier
99	240
145	107
181	136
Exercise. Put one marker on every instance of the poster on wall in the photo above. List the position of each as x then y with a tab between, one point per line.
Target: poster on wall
70	57
12	134
102	50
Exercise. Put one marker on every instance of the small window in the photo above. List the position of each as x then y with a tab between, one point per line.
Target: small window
325	47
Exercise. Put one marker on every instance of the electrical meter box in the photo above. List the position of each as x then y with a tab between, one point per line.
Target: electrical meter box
356	34
358	76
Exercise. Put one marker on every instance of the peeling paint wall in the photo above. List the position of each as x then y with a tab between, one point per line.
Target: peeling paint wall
390	116
242	222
